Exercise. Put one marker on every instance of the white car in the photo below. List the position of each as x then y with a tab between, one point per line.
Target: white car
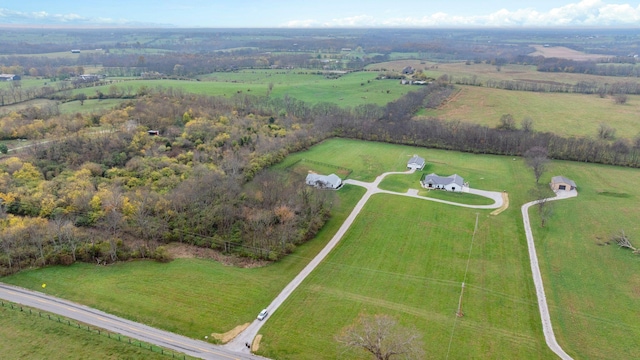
263	314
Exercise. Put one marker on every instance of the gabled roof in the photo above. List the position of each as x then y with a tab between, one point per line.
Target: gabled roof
332	180
416	160
562	179
443	180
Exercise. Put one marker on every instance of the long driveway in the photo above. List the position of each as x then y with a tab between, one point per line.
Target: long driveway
547	329
134	330
247	336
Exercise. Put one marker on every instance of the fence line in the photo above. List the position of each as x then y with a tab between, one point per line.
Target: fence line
98	331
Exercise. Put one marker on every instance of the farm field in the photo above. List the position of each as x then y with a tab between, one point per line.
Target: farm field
564	114
18	330
484	72
90	105
352	89
407	258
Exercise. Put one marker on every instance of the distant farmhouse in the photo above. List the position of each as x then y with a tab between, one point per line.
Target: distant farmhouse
324	181
75	51
408	70
89	77
416	163
450	183
562	183
9	77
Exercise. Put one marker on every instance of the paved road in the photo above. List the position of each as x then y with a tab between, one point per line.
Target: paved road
87	315
547	329
247	336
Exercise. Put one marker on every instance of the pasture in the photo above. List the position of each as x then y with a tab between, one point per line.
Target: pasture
27	336
564	114
407	258
351	89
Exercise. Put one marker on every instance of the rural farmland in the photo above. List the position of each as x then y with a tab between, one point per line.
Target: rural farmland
160	177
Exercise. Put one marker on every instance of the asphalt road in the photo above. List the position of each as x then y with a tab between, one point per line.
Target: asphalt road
114	324
547	329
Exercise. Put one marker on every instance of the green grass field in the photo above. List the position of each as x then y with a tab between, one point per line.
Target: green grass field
352	89
28	336
564	114
89	106
407	258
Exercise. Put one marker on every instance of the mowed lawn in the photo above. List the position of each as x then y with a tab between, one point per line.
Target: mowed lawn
564	114
407	258
593	290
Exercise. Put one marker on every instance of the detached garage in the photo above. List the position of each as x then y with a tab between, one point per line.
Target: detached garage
561	183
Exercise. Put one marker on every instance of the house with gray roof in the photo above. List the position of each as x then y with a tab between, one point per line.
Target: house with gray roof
449	183
332	181
416	163
562	183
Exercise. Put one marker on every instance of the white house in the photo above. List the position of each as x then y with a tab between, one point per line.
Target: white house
416	163
324	181
450	183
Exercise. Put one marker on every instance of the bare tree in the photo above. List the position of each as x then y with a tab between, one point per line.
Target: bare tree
620	99
381	336
544	206
536	158
606	132
507	122
623	241
527	124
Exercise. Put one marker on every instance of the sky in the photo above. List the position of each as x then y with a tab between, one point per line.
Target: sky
321	13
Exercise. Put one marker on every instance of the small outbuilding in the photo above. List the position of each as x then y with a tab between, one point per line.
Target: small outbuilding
332	181
562	183
9	77
416	163
449	183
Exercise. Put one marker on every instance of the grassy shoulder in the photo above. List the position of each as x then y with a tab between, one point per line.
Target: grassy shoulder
28	336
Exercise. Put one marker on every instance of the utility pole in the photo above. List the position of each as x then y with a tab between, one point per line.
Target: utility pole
459	313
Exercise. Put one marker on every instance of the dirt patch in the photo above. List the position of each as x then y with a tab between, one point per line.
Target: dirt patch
564	53
230	335
505	204
185	251
255	345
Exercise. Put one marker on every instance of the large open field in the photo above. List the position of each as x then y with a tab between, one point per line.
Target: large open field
564	114
407	258
352	89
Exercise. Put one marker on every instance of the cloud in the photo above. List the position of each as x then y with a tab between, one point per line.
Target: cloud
12	17
584	13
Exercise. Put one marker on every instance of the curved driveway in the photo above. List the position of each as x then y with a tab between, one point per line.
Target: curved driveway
247	336
547	329
114	324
